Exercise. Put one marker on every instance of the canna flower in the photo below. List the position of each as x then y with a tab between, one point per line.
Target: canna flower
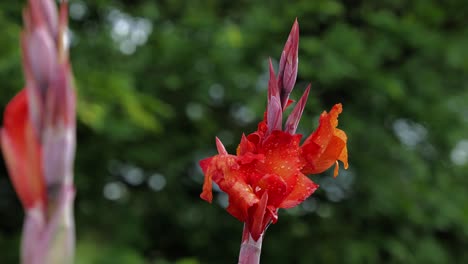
268	171
38	136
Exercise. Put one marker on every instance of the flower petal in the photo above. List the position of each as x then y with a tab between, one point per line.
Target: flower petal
275	186
226	172
282	157
245	146
207	193
256	221
241	198
22	152
303	189
326	145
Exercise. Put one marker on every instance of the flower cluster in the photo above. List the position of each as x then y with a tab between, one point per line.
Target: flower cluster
269	169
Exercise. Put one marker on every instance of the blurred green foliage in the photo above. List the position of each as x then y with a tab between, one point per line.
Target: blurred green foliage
158	80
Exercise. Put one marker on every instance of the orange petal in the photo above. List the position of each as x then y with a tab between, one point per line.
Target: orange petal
326	145
207	193
22	152
343	157
303	189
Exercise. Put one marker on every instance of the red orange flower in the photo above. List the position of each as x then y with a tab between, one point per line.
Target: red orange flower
269	169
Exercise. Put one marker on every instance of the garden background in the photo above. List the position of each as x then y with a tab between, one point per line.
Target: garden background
158	80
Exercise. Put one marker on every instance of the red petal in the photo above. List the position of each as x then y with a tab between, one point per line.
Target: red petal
241	197
256	222
226	172
257	137
245	146
22	152
249	157
272	214
275	186
282	157
303	189
326	145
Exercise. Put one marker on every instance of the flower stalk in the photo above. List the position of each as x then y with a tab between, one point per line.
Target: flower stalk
250	248
38	136
269	170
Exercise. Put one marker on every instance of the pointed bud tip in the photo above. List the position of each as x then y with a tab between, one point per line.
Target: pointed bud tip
293	120
295	26
270	65
307	90
220	147
288	65
273	90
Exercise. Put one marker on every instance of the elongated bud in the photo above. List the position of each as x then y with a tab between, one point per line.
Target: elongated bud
274	115
42	57
288	64
295	116
49	13
220	147
273	90
60	104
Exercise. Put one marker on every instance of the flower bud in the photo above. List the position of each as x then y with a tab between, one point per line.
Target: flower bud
287	73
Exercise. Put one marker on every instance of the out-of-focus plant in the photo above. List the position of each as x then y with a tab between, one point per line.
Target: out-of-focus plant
38	137
269	169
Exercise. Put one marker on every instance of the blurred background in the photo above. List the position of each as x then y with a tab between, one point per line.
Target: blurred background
158	80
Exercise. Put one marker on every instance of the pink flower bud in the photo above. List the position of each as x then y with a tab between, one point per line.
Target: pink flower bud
42	57
274	115
295	116
49	13
60	99
220	147
288	64
273	90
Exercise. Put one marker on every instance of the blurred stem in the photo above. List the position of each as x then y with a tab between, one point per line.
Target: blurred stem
250	249
61	230
50	240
